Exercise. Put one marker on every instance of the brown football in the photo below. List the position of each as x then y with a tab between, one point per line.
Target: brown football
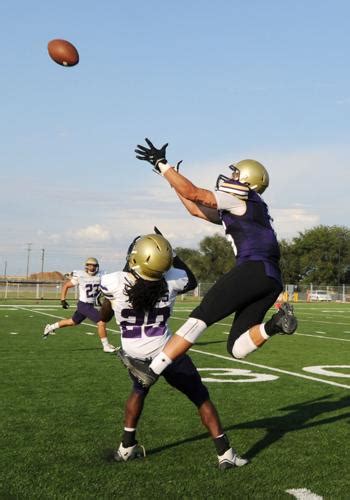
63	52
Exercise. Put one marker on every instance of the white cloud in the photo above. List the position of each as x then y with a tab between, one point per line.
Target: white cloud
54	238
94	233
288	222
307	188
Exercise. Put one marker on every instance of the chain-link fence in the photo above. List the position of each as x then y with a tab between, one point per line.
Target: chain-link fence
23	289
317	293
296	293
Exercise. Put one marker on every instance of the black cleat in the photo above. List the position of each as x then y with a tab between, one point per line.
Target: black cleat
285	320
139	368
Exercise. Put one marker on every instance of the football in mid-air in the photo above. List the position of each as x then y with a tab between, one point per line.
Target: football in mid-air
63	52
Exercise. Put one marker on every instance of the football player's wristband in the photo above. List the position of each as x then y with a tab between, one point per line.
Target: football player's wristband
163	167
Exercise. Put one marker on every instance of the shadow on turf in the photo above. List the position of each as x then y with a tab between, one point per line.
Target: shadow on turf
298	418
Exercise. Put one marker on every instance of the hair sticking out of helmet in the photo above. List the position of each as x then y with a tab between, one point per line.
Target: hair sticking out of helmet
150	257
252	173
91	266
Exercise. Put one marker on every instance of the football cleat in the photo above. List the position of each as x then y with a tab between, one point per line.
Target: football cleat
138	367
230	459
109	348
285	320
48	331
124	454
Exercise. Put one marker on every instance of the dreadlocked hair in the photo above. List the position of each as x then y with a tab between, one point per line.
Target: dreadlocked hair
143	294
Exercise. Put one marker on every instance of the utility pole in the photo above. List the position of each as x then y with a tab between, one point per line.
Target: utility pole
42	261
42	271
5	270
28	257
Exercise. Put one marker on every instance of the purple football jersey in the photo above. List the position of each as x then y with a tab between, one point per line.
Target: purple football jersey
252	234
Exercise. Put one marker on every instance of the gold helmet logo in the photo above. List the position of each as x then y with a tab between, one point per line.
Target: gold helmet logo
151	257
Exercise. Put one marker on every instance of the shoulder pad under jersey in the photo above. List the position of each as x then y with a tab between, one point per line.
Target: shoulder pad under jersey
235	188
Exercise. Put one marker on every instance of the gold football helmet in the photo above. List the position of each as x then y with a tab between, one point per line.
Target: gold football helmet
91	266
150	257
252	173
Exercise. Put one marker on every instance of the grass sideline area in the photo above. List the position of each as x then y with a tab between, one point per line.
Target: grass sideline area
286	408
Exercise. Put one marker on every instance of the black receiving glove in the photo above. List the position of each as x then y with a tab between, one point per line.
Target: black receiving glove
64	304
151	154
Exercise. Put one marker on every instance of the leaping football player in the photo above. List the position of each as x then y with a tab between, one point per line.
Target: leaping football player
142	297
253	284
89	282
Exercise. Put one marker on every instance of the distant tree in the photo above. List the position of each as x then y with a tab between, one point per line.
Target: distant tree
193	259
320	255
213	259
289	263
218	256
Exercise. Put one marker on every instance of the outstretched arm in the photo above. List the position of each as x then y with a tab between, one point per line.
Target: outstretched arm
185	188
179	182
197	210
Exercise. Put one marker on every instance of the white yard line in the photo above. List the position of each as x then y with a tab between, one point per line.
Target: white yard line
320	336
23	308
220	356
265	367
33	306
303	494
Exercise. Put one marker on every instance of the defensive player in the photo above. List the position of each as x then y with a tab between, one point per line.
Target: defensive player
142	297
89	282
252	286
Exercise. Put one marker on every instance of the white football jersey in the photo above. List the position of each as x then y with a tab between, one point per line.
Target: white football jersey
89	286
143	334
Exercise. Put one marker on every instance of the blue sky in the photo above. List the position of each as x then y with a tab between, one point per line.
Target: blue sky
220	81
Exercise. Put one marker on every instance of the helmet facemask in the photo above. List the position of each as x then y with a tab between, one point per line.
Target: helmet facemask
91	266
248	172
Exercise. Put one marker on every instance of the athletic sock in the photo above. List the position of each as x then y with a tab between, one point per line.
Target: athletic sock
221	444
104	341
243	346
129	437
160	362
55	326
263	331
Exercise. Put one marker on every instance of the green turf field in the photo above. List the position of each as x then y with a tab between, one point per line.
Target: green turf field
286	408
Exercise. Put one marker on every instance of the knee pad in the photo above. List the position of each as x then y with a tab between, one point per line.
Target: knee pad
243	346
191	330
